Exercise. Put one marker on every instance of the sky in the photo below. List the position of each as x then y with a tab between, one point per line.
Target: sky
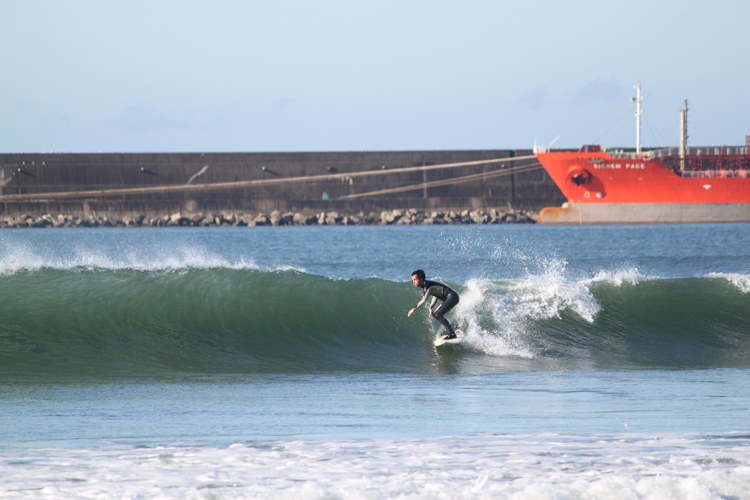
361	75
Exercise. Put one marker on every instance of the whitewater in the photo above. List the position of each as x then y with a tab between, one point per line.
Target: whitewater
600	362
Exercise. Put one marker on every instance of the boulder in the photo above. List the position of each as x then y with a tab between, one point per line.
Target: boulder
390	217
298	219
287	219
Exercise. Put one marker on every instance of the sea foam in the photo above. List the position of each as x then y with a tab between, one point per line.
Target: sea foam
518	467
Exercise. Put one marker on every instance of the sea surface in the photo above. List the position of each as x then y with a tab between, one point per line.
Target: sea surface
600	362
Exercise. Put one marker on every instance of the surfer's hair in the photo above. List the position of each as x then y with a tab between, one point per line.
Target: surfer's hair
419	273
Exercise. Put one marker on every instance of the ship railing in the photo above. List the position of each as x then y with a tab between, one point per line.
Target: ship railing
667	152
648	155
715	174
675	152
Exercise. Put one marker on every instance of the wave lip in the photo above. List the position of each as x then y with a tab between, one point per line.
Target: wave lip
17	256
740	281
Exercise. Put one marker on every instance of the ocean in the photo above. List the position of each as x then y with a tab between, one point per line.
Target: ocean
279	362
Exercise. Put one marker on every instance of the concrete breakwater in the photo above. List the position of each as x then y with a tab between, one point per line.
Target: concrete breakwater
157	185
277	218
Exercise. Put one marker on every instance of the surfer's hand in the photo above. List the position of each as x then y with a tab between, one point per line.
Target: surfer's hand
410	313
431	313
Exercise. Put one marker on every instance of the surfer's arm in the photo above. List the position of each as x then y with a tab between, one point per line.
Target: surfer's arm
432	291
424	300
421	302
432	304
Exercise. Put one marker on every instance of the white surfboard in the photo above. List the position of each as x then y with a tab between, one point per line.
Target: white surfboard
460	336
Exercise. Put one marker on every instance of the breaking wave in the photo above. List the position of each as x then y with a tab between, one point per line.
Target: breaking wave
133	319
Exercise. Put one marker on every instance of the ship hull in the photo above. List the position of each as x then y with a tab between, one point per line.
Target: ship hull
645	213
602	189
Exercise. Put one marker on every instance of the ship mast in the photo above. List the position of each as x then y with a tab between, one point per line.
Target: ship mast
638	112
683	135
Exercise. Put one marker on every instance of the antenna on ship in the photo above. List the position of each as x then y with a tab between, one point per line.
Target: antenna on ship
638	112
683	134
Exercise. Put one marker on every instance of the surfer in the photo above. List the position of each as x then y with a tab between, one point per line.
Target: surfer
438	291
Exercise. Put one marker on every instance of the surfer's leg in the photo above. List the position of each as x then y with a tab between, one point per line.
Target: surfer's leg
450	303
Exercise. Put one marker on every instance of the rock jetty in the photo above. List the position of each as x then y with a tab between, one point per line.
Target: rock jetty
276	218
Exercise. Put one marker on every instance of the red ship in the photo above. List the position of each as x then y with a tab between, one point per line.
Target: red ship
710	184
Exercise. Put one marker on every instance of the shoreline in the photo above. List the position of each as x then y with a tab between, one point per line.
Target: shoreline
276	218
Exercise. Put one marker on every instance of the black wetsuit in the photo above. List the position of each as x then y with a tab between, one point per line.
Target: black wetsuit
438	291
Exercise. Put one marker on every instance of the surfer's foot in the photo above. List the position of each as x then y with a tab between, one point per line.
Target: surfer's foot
449	336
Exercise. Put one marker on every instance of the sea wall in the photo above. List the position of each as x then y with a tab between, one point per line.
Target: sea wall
44	176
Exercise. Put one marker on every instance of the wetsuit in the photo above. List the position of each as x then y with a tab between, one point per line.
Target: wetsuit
438	291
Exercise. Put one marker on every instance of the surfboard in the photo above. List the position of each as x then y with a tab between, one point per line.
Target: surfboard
460	336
